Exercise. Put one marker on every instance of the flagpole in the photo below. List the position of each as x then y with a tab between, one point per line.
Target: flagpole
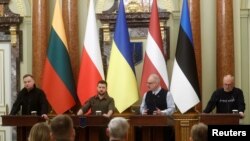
149	6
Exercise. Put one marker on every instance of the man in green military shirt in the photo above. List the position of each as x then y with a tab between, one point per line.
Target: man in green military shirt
101	103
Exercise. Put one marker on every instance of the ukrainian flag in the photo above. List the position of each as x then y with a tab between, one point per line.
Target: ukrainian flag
122	84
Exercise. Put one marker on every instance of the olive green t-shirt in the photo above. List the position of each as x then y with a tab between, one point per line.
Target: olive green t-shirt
97	104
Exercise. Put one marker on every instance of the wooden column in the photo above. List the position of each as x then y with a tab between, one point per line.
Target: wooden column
70	18
183	124
225	39
40	33
194	6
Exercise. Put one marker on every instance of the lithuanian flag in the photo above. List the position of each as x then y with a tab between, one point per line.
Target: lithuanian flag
58	83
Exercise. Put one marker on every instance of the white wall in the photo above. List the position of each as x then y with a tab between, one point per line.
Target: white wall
5	88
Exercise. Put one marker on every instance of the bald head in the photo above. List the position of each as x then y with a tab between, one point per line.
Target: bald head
228	83
153	82
154	77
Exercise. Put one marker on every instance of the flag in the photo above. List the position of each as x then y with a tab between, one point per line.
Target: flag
184	83
122	85
91	69
58	82
154	61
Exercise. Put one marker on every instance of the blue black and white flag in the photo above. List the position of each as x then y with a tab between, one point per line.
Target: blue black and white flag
184	84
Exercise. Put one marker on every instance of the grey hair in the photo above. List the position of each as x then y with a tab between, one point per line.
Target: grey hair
155	77
118	128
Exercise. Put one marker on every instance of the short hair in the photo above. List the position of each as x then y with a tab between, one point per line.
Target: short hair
28	75
61	127
228	76
39	132
118	128
102	82
199	132
155	77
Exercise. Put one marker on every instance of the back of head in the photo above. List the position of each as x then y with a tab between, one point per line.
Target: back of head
39	132
199	132
62	128
118	128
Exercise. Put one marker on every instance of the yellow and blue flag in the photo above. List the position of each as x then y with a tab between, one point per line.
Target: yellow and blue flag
122	84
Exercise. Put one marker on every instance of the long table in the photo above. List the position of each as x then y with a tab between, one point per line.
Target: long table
88	128
220	119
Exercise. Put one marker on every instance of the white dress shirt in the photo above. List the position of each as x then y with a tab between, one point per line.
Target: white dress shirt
169	100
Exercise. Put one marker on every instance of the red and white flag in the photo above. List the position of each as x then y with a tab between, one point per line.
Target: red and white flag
91	69
154	61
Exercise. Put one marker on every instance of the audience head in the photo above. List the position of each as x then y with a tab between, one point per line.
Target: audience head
153	82
102	87
199	132
39	132
228	83
62	128
28	81
118	129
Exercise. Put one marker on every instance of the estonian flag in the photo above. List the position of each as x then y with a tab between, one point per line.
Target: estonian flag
184	84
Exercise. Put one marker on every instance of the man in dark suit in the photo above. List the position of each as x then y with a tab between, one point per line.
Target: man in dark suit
31	100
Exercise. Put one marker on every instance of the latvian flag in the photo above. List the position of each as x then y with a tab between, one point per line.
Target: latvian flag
154	61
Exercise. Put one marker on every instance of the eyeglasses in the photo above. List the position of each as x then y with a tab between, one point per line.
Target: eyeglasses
150	83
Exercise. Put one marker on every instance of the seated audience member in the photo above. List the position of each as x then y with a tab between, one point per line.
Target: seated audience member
62	128
101	102
227	99
40	132
30	99
118	129
199	132
157	100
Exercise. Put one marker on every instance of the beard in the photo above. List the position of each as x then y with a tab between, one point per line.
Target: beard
101	92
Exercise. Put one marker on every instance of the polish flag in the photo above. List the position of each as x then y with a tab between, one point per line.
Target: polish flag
91	69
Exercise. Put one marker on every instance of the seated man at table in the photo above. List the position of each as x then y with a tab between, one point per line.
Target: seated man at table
227	99
30	99
157	100
101	103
